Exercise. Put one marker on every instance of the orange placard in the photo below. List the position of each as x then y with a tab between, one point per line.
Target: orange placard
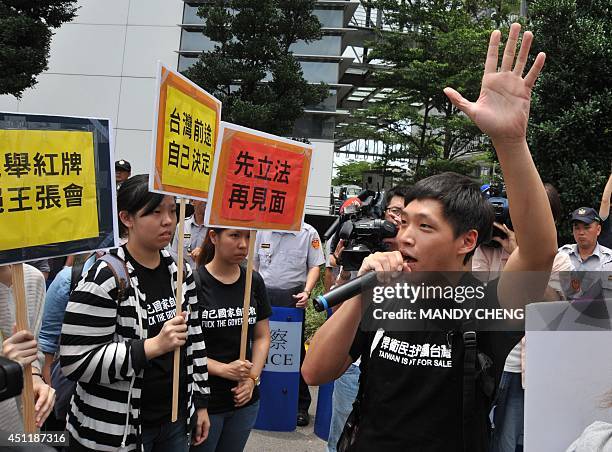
260	181
185	136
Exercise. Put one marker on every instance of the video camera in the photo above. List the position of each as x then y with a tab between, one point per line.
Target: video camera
362	229
496	195
11	379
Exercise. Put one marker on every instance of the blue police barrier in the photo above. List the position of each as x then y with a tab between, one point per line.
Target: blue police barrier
280	378
324	411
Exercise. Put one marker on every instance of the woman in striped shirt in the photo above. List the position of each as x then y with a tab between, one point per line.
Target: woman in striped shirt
121	350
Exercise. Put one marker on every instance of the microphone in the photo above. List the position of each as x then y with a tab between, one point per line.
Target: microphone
345	291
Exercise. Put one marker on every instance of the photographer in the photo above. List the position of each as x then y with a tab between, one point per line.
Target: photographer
488	261
420	407
21	346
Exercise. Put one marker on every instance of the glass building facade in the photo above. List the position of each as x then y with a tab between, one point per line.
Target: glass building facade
321	61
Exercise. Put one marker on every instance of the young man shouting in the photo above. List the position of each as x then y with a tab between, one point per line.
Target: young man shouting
421	407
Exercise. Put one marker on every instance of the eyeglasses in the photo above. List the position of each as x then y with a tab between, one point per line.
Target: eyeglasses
395	211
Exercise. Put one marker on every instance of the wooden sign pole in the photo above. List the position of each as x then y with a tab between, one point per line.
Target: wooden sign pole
21	318
179	301
247	296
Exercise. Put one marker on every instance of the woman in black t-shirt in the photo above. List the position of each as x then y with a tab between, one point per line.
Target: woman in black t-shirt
234	399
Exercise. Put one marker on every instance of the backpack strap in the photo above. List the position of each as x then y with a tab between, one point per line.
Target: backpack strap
469	387
121	274
75	275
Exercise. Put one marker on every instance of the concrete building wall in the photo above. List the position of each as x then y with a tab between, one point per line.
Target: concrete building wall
103	64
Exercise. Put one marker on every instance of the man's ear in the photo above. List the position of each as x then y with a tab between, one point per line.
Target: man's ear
598	229
467	241
126	218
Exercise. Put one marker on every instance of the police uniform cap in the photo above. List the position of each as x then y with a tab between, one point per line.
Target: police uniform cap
123	165
586	215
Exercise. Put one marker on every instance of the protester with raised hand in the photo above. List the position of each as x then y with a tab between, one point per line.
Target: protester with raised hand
605	237
412	405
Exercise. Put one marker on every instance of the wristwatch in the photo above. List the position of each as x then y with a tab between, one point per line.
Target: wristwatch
307	291
256	379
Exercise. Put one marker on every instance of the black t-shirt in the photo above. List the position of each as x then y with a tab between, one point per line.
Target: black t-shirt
222	326
413	390
159	302
605	238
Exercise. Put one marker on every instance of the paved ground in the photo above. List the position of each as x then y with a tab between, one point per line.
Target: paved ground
302	439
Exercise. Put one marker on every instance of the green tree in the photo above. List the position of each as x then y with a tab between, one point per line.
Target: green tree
431	45
350	173
571	118
25	37
251	68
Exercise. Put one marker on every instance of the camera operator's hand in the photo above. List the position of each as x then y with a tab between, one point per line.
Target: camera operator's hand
509	242
389	263
301	299
21	347
44	398
335	257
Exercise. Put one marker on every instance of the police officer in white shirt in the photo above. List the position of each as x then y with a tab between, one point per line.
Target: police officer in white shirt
592	261
194	233
289	264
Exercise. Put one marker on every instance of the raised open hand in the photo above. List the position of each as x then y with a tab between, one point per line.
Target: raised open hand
502	109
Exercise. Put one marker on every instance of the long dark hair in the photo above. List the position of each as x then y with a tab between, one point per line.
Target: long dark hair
133	196
208	248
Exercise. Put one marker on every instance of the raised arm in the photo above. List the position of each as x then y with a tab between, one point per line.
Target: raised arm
604	207
502	112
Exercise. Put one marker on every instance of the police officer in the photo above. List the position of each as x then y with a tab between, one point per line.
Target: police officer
194	234
289	264
592	261
123	170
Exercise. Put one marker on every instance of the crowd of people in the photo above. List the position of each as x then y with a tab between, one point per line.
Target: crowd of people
101	341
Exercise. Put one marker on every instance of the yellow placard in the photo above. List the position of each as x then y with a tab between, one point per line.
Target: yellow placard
47	187
189	141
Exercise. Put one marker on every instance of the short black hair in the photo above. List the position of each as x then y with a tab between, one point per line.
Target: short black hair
462	203
398	190
134	195
555	201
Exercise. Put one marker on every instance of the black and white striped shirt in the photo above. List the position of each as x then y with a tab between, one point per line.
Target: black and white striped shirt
102	347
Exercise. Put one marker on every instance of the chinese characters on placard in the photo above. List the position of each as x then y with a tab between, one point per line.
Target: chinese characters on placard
190	157
252	194
41	196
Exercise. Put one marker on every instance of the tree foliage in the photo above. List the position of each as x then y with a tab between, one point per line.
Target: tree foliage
252	46
25	39
571	118
432	44
350	173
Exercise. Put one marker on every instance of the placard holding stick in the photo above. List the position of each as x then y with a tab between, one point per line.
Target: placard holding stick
21	319
247	296
179	303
